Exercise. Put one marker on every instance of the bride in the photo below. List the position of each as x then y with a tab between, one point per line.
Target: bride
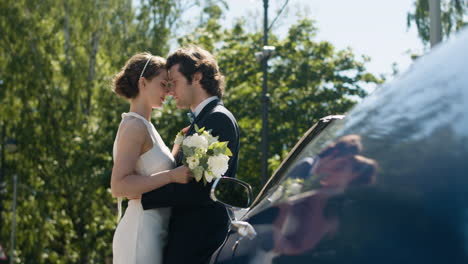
142	162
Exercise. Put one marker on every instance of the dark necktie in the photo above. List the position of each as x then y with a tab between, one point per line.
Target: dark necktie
191	116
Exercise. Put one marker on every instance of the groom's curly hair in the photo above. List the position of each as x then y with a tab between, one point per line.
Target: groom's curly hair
194	59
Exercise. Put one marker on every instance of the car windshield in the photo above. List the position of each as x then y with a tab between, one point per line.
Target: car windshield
297	174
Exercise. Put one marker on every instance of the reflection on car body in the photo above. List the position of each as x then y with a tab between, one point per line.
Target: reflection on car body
386	184
304	220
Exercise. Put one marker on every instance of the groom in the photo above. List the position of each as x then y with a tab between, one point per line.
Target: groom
198	225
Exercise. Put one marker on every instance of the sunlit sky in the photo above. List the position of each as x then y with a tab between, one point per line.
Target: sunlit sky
374	28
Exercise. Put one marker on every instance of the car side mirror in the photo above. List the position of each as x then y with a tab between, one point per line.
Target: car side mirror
231	192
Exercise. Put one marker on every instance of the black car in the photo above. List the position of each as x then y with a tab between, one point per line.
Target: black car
388	183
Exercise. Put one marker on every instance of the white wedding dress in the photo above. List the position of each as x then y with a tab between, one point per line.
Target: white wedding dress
141	235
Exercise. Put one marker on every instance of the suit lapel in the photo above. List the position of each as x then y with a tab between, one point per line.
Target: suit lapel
202	114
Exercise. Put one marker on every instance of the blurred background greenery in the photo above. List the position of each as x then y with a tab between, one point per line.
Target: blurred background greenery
57	59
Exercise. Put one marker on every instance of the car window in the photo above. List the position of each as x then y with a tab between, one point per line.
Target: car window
283	184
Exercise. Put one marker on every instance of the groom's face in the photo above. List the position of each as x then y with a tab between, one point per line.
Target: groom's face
181	89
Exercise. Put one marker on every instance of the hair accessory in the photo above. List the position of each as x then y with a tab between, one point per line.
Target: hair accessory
146	64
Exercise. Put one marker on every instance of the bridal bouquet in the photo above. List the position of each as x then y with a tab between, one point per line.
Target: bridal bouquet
204	155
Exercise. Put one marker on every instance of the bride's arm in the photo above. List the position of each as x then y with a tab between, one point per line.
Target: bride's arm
124	181
175	149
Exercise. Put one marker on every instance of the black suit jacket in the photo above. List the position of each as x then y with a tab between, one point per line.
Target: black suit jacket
198	225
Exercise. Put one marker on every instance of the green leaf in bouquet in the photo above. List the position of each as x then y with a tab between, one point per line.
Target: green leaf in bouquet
203	162
217	151
228	152
188	151
218	145
223	144
204	181
199	130
198	173
213	145
221	148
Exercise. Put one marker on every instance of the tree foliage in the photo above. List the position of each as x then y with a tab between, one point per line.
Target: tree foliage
453	17
57	60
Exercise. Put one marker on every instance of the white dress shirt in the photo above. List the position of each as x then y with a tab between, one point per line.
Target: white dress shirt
202	105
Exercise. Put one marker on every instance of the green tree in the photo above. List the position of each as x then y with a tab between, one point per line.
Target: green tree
453	17
57	60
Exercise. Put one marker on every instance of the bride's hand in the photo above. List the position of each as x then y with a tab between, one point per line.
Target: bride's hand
185	130
176	147
181	174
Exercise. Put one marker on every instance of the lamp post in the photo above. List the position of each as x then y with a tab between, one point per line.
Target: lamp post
263	57
265	96
435	29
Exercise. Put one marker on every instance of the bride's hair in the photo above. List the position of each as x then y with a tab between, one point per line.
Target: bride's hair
125	83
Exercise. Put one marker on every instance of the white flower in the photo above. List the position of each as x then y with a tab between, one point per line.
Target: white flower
200	151
218	165
196	141
193	161
209	138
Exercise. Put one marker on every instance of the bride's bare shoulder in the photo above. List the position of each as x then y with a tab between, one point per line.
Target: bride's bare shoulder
132	127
